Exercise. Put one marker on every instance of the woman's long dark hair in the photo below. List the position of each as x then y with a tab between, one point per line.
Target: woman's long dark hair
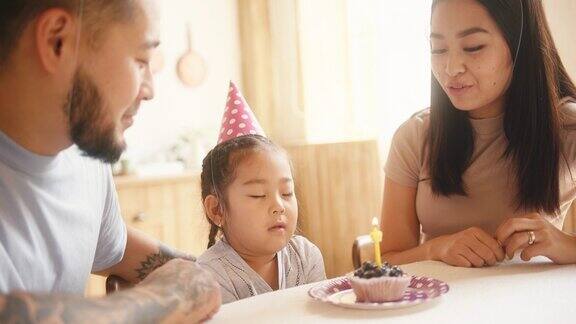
532	120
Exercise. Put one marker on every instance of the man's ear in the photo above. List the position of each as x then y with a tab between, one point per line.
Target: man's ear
56	33
213	210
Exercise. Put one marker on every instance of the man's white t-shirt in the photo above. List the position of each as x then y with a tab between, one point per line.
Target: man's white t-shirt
59	220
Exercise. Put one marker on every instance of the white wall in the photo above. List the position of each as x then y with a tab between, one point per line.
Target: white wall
176	108
365	67
560	14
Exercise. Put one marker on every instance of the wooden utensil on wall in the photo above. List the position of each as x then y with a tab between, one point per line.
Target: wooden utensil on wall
191	67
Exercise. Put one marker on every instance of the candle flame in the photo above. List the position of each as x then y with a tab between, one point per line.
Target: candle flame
375	221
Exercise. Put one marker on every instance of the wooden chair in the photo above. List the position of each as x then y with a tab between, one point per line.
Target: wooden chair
362	250
115	283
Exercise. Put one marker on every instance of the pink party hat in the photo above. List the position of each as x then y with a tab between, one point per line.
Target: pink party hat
238	118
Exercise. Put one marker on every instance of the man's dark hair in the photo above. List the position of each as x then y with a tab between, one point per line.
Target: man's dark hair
16	15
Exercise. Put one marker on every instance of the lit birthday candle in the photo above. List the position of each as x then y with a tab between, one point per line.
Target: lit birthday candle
376	235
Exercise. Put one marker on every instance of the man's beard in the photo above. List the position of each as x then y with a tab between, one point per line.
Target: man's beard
90	130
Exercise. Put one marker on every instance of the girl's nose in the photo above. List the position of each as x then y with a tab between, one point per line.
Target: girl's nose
278	211
278	208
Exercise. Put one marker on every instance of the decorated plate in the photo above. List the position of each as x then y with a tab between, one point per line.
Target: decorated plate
339	292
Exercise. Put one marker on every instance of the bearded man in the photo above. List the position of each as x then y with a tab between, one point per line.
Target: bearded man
72	76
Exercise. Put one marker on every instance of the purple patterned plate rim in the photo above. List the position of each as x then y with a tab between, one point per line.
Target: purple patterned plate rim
338	291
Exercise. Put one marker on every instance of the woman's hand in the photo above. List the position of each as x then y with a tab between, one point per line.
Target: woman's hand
472	247
548	241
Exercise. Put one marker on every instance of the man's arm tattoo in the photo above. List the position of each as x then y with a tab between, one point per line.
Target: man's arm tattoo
158	259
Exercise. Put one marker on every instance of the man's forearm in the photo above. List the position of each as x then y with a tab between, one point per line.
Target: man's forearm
179	291
142	256
138	305
132	306
158	259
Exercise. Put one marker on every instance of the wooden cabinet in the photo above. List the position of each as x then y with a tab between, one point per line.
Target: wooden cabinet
167	208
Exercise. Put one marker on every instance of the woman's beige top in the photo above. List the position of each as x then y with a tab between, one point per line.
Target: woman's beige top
490	179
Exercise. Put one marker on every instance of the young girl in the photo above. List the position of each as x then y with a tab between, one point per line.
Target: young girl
248	196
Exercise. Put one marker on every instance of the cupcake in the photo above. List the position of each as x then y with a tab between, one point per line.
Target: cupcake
373	284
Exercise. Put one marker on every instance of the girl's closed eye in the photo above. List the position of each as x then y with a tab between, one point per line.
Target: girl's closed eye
257	196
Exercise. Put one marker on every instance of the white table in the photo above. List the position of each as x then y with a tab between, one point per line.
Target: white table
512	292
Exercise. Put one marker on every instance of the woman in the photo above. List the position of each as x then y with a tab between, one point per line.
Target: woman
486	171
